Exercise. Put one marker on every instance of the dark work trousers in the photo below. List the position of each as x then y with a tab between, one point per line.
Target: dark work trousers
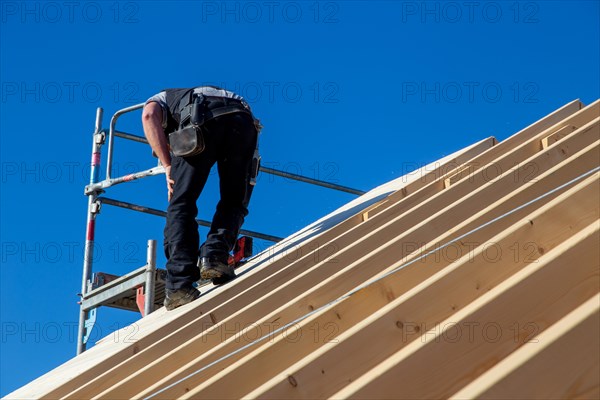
230	141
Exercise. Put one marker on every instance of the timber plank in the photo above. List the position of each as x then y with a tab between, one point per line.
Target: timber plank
84	368
509	153
473	276
265	280
525	138
446	359
152	329
209	345
341	320
556	136
562	362
323	369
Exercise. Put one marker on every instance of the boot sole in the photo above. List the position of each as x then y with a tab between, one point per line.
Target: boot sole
210	273
180	302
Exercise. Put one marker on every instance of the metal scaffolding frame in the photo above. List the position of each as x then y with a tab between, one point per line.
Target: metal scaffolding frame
142	288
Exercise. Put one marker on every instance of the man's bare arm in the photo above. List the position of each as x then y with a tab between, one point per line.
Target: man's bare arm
152	122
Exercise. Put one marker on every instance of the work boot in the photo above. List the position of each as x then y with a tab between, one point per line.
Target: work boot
178	297
216	270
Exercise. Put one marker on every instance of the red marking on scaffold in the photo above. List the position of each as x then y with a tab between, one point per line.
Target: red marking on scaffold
129	177
90	229
140	300
95	159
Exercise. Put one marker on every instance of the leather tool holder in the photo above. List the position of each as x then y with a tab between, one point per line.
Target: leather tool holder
188	140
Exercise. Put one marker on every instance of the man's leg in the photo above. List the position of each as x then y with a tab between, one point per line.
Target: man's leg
181	231
235	153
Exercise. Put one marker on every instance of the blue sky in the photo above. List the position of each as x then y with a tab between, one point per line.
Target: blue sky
353	92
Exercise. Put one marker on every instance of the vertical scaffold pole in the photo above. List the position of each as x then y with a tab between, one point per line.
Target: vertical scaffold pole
93	209
150	277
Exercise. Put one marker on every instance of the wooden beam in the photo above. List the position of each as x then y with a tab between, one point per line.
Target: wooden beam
460	348
460	172
552	120
496	160
424	176
370	211
142	359
508	153
113	350
561	362
471	276
571	112
327	359
211	345
556	136
285	263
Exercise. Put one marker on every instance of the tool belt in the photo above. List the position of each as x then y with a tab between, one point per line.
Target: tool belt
188	140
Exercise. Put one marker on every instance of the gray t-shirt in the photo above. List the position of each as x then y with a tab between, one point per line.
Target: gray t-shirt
161	98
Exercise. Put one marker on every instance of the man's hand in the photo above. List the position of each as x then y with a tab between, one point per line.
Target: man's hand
170	182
